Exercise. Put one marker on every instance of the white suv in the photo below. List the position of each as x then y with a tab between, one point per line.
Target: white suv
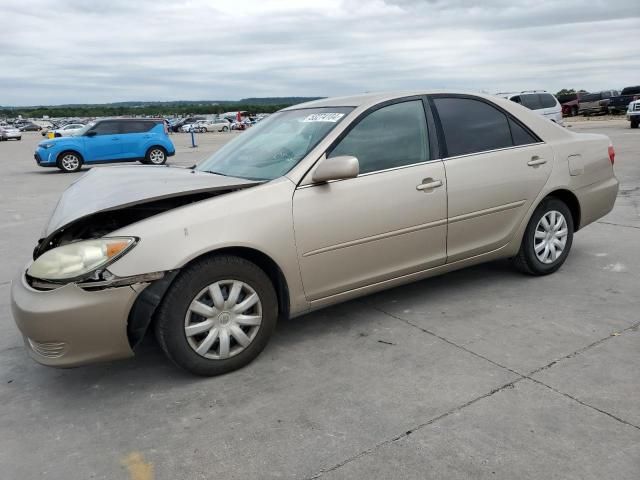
540	101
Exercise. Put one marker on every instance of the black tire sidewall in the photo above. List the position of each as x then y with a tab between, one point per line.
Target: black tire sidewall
173	309
533	263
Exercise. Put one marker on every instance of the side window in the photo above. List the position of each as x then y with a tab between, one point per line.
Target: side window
472	126
547	100
106	128
520	135
390	137
531	101
135	126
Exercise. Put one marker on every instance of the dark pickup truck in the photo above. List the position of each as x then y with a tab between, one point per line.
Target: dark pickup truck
595	103
619	103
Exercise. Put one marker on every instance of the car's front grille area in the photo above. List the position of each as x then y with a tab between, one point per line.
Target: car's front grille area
636	107
48	349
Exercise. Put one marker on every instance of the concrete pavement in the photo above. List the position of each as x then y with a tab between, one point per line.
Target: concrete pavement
481	373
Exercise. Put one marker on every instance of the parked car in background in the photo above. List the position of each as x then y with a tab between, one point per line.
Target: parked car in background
30	127
595	103
8	132
287	217
68	130
619	103
106	141
221	125
177	125
540	101
633	113
569	103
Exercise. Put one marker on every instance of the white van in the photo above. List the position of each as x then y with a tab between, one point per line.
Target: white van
540	101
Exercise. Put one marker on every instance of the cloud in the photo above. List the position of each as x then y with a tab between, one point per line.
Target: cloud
76	51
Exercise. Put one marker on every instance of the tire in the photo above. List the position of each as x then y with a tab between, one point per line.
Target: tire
225	129
18	138
574	112
174	316
69	162
156	156
532	263
635	122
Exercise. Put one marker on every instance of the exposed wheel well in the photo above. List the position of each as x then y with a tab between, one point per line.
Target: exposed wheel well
572	202
142	314
269	267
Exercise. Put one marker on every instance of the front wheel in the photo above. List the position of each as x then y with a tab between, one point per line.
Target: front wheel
69	162
225	129
217	316
635	122
156	156
547	239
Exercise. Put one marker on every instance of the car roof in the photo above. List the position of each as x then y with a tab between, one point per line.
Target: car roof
370	99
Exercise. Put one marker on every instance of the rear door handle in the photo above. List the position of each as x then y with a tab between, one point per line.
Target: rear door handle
536	161
428	184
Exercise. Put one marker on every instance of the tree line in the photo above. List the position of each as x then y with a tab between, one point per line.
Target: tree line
146	110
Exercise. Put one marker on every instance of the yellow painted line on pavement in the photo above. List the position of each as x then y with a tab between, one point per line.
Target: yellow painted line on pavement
137	467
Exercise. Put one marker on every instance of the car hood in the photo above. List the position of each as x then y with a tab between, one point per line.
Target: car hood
58	140
112	188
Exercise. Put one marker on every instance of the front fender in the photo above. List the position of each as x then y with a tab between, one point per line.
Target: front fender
259	218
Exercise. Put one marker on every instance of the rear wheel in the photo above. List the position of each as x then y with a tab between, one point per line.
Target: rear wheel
69	162
217	316
156	156
547	239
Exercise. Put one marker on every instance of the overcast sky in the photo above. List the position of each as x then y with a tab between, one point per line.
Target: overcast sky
93	51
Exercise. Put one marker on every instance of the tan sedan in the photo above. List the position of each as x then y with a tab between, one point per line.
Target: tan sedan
319	203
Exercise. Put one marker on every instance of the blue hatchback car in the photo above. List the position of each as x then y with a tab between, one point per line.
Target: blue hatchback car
106	141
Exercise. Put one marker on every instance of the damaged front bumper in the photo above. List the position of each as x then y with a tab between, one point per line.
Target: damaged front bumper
71	325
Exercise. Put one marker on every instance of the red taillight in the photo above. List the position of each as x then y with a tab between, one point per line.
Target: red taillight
612	154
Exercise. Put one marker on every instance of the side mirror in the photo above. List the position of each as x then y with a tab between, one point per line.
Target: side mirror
336	168
90	133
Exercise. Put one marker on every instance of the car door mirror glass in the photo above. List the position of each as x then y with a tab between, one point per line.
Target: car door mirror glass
336	168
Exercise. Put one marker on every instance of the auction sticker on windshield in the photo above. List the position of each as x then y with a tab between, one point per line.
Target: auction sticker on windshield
324	117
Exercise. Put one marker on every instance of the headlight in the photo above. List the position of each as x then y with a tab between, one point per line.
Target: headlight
47	145
79	258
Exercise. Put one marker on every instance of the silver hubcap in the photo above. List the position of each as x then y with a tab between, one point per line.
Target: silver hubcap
70	162
223	319
156	156
550	236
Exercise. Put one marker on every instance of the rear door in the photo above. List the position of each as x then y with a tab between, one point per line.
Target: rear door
106	144
135	136
495	169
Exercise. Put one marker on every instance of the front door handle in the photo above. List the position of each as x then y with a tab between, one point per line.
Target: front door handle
536	161
428	184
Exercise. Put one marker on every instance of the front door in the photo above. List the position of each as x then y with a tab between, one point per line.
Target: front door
389	221
495	169
106	144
